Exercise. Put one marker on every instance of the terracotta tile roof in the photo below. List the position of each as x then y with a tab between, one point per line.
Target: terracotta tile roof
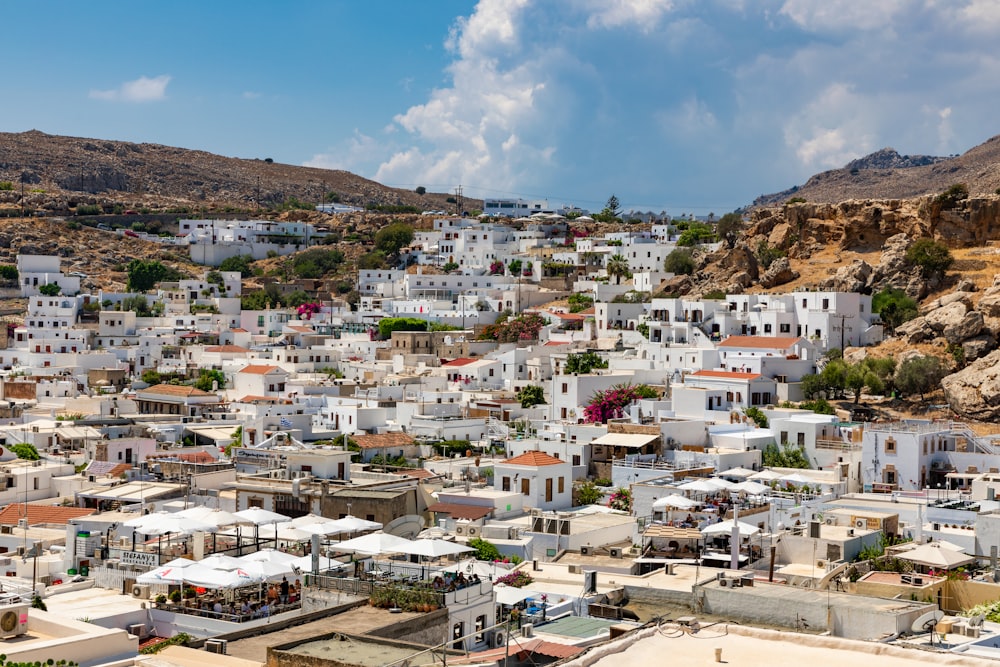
553	343
521	648
299	329
37	514
227	348
174	390
761	342
729	375
534	458
460	511
250	398
380	440
418	473
239	330
119	469
461	361
567	316
588	311
253	369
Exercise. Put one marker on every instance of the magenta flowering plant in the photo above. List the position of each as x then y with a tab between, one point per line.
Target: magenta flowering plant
610	403
307	310
621	500
516	579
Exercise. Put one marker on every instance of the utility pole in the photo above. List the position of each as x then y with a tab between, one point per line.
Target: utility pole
458	200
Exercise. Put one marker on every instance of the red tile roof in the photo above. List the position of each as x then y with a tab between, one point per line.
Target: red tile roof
534	458
761	342
417	473
37	514
174	390
380	440
729	375
567	316
250	398
461	361
460	511
299	329
227	348
253	369
188	457
552	343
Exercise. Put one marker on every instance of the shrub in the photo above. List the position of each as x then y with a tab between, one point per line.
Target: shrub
610	403
680	262
952	196
25	450
696	233
931	256
583	362
894	307
484	550
241	263
516	579
588	493
531	395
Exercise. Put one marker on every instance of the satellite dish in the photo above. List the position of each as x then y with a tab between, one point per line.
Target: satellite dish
926	622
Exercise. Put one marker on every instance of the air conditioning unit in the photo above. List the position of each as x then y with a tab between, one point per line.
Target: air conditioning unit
528	630
138	629
13	620
918	581
616	552
499	639
585	551
906	578
140	591
860	523
725	582
460	530
821	564
574	569
512	533
216	646
22	524
472	531
830	521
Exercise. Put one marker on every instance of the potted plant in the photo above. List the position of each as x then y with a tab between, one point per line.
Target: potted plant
175	596
161	599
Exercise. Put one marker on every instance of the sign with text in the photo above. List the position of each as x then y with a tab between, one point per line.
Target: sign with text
140	558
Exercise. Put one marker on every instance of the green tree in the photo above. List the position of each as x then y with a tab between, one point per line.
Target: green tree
933	257
894	308
215	278
618	268
589	493
372	260
583	363
484	550
812	385
389	324
25	450
50	289
729	228
787	456
241	263
206	376
579	302
919	375
421	190
8	272
834	376
611	212
820	406
136	304
144	274
679	262
952	196
757	415
393	237
151	377
883	368
531	395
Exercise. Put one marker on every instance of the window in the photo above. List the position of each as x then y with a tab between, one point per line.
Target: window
890	446
562	485
783	437
255	502
505	483
767	328
525	487
565	387
800	439
576	458
548	489
826	304
785	328
480	626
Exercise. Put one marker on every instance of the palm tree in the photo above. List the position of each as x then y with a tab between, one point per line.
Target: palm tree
618	267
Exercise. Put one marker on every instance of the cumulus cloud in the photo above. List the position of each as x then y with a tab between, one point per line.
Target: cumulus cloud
832	130
143	89
353	152
641	14
845	14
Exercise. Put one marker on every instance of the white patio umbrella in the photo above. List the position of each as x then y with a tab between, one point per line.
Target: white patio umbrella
726	528
162	575
753	488
324	528
700	486
765	476
170	524
674	501
510	595
374	544
284	531
738	473
933	555
469	566
353	524
796	478
304	564
209	578
435	548
268	570
309	518
268	555
179	562
143	519
222	562
724	484
259	516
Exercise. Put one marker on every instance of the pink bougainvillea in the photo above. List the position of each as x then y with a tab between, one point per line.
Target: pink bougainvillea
610	403
307	310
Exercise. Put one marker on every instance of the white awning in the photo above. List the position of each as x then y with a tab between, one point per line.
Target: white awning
635	440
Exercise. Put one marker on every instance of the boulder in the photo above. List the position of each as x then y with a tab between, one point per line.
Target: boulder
989	305
679	285
951	314
781	236
954	297
779	273
851	278
966	285
915	331
974	391
978	346
855	355
970	325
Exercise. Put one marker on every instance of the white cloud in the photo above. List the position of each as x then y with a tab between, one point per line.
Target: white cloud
251	95
641	14
358	149
690	119
833	129
824	15
143	89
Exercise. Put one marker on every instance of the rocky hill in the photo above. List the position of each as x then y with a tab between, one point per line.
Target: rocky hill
887	175
61	172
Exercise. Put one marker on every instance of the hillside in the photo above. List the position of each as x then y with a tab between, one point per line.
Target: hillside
887	175
61	172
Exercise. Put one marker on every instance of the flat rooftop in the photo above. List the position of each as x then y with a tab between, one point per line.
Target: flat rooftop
753	647
92	603
345	650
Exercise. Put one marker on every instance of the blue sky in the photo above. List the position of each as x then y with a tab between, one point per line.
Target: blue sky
684	105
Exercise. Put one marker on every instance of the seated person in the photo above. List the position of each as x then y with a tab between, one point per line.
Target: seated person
217	607
245	608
